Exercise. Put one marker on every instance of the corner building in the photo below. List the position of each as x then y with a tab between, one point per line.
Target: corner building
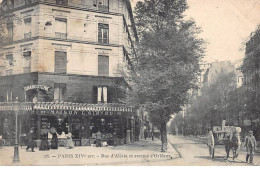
64	63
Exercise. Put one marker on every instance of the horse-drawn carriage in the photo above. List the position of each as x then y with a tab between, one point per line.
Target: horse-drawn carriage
225	135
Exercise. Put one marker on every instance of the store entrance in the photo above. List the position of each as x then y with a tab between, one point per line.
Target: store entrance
75	131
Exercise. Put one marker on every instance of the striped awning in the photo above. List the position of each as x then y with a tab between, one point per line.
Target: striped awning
66	108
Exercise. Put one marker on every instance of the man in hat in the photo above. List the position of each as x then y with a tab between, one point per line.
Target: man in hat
30	143
250	144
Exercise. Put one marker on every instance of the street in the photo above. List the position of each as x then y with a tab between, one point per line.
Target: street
195	152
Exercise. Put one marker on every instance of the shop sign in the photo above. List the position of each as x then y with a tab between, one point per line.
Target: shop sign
77	112
31	87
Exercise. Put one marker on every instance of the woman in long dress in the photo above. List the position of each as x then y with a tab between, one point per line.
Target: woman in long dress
44	142
69	143
54	141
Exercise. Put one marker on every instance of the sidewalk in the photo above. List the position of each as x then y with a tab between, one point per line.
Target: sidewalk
141	151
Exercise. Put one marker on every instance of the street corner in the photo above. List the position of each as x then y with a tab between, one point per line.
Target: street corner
174	153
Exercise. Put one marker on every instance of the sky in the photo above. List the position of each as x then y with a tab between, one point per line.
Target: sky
226	25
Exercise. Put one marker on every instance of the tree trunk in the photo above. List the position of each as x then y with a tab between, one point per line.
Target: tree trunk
176	130
164	137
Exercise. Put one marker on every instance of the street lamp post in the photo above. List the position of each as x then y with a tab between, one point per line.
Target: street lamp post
16	146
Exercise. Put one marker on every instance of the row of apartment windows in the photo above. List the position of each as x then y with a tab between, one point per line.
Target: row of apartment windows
61	63
60	30
100	93
102	5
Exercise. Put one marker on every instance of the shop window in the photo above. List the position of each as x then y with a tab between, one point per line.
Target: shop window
10	29
103	33
60	62
59	91
61	28
61	2
103	65
102	5
27	28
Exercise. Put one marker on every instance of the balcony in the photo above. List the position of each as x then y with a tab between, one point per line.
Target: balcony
28	35
60	35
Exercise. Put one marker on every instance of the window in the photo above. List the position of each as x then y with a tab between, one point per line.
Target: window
10	29
27	61
100	94
60	62
27	28
61	2
103	32
103	65
10	58
9	95
102	5
59	91
61	28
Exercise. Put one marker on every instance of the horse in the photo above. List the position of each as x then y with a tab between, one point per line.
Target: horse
232	142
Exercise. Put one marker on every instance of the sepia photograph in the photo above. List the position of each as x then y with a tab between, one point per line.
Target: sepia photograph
130	83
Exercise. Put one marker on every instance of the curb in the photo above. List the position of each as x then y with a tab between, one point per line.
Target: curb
175	148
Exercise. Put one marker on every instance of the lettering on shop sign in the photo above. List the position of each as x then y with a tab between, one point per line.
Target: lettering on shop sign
80	113
31	87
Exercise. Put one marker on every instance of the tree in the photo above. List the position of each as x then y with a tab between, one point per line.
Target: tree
251	69
5	20
217	103
167	60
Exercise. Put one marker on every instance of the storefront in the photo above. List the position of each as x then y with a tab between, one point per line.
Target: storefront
83	121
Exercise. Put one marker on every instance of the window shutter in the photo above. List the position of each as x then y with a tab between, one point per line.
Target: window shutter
60	62
94	94
103	65
110	94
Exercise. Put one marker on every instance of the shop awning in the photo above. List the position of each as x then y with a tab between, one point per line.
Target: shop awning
66	108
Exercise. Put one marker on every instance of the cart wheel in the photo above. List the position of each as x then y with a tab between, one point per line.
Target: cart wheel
211	144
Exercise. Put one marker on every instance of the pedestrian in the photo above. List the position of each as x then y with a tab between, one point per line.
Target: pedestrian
145	134
44	142
69	143
54	141
30	141
250	144
98	139
2	142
